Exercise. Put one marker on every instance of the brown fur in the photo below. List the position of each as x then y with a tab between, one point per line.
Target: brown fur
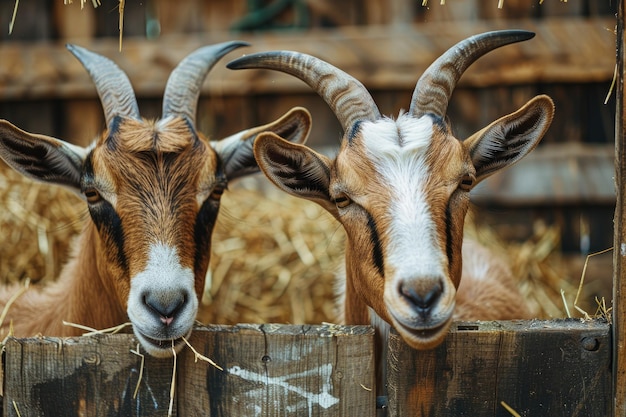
80	295
488	290
159	205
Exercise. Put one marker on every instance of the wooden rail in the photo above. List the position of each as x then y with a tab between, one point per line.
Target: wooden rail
267	370
554	175
538	368
564	51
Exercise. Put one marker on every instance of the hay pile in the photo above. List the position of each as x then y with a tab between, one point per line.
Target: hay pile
37	222
273	261
274	256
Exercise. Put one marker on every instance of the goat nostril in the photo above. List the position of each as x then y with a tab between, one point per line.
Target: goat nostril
422	299
165	308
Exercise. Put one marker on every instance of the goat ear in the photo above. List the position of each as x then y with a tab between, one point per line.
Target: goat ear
294	168
236	151
40	157
510	138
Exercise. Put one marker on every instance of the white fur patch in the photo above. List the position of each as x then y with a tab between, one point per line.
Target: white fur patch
164	278
164	271
397	139
398	150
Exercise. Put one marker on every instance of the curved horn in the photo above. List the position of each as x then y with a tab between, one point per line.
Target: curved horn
435	86
183	86
346	96
114	89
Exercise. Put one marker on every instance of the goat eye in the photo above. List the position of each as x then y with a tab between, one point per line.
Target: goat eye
342	201
92	195
467	182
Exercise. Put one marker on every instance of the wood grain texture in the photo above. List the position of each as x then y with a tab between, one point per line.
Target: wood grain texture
552	175
619	254
91	376
564	51
268	370
539	368
281	370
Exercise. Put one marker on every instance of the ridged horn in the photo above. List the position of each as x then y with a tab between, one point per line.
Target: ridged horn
114	89
435	86
183	86
346	96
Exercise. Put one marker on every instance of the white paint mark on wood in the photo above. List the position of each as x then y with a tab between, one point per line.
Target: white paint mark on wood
323	399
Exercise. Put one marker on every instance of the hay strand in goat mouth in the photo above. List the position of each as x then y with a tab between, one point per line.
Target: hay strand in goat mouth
197	355
89	331
173	383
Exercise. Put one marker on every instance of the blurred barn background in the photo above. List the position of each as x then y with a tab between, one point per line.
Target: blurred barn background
275	256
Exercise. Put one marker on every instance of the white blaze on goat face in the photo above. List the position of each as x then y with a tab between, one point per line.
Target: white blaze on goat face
406	192
399	151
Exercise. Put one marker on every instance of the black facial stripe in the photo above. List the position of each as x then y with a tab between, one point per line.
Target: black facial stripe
105	218
203	229
110	229
377	252
449	251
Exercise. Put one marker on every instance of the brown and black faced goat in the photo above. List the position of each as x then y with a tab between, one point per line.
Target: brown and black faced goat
400	187
153	192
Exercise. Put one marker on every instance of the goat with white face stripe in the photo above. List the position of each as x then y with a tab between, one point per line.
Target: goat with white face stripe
400	187
153	192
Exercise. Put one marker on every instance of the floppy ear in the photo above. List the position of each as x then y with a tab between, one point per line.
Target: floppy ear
40	157
236	151
295	168
510	138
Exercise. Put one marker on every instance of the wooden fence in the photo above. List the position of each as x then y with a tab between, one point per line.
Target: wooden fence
532	368
537	368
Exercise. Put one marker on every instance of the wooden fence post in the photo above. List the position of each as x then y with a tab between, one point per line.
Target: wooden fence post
536	368
266	370
619	257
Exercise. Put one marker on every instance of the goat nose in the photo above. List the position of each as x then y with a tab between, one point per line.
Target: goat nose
165	306
422	296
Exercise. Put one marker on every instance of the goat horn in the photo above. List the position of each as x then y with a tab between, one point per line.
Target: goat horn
114	89
435	86
346	96
183	86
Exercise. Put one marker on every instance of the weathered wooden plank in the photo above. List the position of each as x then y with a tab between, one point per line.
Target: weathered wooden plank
268	370
538	368
83	121
619	241
31	23
564	174
281	370
564	50
73	21
90	376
